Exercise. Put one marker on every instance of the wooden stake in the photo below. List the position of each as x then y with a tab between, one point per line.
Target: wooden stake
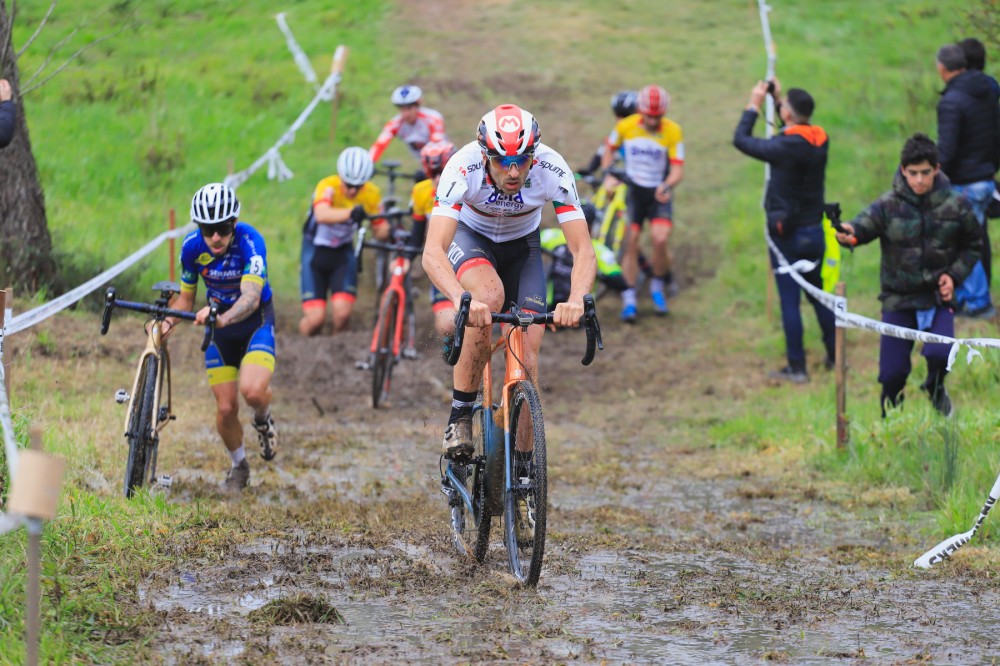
336	67
170	245
770	290
840	364
33	620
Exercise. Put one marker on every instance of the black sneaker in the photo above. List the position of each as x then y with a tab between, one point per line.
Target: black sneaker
941	400
457	444
789	374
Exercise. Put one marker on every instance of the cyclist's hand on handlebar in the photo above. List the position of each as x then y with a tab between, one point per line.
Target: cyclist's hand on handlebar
479	314
201	318
358	214
568	314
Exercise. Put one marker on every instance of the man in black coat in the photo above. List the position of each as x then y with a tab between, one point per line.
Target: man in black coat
7	113
794	207
969	145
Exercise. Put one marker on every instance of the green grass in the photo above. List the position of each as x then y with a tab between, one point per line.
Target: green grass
143	120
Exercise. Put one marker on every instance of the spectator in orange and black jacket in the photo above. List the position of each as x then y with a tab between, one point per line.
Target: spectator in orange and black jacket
794	207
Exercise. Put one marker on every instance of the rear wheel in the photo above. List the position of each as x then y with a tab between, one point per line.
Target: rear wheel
140	427
525	503
383	360
473	530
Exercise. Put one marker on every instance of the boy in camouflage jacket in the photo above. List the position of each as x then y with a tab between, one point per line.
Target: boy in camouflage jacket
930	242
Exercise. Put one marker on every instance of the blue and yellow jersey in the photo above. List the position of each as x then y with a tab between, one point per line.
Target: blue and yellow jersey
244	261
335	235
647	154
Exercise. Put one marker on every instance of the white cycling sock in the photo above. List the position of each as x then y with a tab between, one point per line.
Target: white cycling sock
628	297
655	285
238	456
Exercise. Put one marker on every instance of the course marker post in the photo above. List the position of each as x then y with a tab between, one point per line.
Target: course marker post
336	67
840	365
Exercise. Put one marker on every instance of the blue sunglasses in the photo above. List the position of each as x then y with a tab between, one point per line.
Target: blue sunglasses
505	162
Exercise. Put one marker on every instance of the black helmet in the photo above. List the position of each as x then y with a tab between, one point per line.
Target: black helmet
624	103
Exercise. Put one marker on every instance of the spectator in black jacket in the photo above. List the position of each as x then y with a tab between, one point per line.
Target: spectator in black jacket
7	114
975	58
969	144
794	208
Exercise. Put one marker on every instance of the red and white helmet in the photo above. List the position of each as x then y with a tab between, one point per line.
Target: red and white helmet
653	101
434	155
508	130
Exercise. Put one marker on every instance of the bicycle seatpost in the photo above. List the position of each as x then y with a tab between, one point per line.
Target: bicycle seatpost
461	318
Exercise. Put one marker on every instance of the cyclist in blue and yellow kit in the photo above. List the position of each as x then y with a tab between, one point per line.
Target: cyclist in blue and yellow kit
231	258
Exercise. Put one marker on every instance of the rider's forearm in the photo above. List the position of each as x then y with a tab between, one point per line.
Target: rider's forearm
327	214
439	271
582	278
245	305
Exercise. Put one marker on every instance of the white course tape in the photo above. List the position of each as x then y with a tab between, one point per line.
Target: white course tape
32	317
8	522
276	168
300	57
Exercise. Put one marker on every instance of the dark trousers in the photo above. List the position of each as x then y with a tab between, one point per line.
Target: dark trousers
894	355
803	243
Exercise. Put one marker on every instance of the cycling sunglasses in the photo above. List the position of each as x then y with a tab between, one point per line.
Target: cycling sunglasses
223	229
505	162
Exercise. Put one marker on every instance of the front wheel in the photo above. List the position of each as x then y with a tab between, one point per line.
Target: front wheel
383	361
140	427
525	502
473	531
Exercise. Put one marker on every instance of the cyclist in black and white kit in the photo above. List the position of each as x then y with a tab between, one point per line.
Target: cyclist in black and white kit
483	237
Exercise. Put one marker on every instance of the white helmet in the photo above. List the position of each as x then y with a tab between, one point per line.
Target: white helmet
406	95
214	203
355	166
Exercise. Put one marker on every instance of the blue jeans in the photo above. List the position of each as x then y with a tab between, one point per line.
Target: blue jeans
802	243
974	293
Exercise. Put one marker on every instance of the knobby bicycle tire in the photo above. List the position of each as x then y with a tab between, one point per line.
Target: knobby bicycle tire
383	361
140	425
526	554
482	514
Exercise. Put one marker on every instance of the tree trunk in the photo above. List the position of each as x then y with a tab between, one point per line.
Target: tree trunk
25	245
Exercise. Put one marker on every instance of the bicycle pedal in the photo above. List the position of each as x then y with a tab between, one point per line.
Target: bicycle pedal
121	396
362	365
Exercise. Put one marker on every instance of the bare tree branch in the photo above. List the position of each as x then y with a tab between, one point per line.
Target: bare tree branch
30	84
38	30
6	43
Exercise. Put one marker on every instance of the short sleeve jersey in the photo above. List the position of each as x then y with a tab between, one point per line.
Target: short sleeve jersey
335	235
647	153
244	261
422	200
466	193
427	128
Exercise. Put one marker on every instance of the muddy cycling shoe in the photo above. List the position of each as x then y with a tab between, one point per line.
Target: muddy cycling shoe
629	314
457	443
524	523
410	354
267	433
238	477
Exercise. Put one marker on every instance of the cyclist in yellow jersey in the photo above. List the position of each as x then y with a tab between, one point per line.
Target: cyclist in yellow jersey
433	158
654	165
329	266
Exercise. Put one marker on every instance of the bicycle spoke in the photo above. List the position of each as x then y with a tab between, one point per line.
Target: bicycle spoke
526	502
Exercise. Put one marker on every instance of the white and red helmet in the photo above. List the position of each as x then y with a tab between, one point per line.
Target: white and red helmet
653	101
508	130
434	155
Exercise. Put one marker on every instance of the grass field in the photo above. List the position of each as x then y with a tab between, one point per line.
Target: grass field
134	127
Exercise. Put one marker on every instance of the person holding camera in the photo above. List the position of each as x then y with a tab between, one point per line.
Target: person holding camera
340	204
794	207
931	241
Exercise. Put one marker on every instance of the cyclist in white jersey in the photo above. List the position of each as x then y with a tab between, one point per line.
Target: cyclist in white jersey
483	237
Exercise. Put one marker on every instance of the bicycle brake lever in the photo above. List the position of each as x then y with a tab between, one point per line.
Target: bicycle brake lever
109	305
461	317
213	315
